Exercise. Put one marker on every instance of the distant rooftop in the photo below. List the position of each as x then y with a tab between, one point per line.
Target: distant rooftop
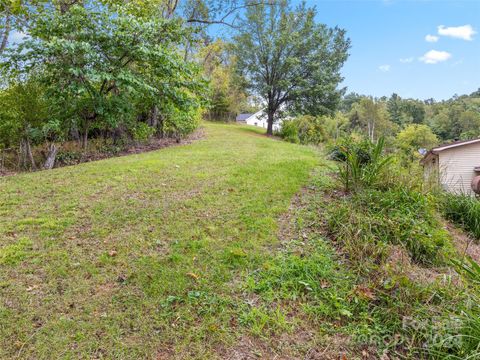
454	144
243	117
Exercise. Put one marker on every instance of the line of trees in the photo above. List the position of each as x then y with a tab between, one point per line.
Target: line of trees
92	68
113	70
407	125
457	118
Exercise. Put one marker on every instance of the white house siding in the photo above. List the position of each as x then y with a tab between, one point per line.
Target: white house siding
430	167
260	119
456	167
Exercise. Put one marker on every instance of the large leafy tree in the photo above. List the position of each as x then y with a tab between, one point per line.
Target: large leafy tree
98	64
289	60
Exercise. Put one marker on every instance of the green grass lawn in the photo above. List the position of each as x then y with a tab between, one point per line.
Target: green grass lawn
145	256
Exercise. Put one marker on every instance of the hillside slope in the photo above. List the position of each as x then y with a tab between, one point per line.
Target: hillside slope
145	255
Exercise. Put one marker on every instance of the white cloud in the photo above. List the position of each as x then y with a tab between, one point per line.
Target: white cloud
434	56
431	38
464	32
406	60
384	68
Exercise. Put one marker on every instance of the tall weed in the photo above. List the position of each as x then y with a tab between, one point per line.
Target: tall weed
463	340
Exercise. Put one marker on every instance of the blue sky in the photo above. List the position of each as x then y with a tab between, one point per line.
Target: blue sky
390	52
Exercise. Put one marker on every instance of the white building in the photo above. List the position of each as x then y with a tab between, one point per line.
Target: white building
258	119
454	166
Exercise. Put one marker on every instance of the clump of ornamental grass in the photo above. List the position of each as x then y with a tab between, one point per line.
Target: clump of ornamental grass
361	164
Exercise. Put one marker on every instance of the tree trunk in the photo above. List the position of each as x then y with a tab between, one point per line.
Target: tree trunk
86	127
22	159
153	118
160	126
52	154
6	32
85	139
30	154
26	155
270	122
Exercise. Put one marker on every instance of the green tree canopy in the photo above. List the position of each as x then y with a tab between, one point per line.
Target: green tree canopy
98	64
290	60
414	137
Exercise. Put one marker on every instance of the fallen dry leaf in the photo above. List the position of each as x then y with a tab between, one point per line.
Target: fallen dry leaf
365	292
193	275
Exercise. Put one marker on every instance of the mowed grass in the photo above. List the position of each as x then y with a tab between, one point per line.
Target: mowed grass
144	256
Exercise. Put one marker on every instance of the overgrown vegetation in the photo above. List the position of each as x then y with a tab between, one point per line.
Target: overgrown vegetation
367	222
362	163
388	230
463	210
179	253
84	71
462	340
304	130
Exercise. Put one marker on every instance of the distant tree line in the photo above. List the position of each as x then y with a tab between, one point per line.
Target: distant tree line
453	119
407	125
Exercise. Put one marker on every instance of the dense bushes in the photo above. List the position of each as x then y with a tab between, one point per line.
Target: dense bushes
304	130
463	210
97	71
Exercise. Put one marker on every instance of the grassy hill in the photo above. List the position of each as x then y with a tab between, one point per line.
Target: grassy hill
236	246
146	255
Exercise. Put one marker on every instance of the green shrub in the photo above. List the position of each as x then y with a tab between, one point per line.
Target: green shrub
66	157
360	147
142	132
304	129
462	210
289	132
